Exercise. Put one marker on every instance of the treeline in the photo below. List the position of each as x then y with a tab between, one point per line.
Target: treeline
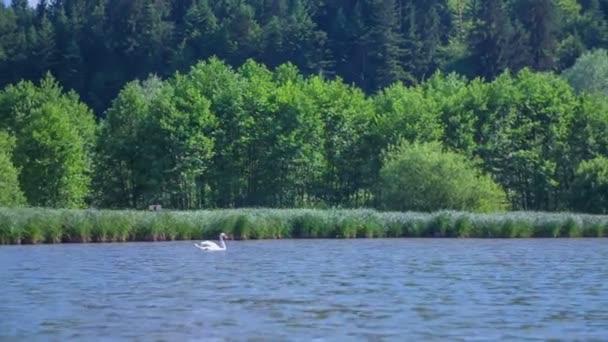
96	46
221	137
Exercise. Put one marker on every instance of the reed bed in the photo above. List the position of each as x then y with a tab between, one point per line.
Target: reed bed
41	225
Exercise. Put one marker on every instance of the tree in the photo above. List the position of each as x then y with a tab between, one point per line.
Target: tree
179	144
588	138
55	136
121	163
434	29
290	35
457	102
593	25
384	42
142	32
424	177
43	46
411	42
539	19
10	192
523	135
68	22
240	34
198	35
296	146
262	153
590	73
493	39
346	117
590	187
224	88
347	41
406	113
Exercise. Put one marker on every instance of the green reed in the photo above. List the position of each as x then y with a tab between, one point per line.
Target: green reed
42	225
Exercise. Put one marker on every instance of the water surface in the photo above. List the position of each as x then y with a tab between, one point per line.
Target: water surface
389	289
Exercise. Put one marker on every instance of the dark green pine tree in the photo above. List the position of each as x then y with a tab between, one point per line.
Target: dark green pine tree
198	36
411	41
539	19
8	43
273	37
239	32
70	69
434	24
347	44
104	81
384	44
593	26
18	33
303	42
22	11
599	5
43	50
153	32
179	8
491	39
272	8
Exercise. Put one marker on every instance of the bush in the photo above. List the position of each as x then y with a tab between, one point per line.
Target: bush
423	177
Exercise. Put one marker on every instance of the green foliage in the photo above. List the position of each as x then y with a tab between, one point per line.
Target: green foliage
408	113
54	141
539	19
423	177
120	179
345	125
493	38
291	102
223	137
97	46
523	137
10	192
588	137
590	186
178	143
590	73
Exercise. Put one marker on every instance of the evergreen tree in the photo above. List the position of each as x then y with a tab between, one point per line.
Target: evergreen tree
384	44
491	39
198	36
538	18
411	41
434	25
43	44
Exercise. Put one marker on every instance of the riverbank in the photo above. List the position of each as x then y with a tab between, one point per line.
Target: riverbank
39	225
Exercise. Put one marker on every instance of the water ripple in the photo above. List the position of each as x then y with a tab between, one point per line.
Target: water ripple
319	290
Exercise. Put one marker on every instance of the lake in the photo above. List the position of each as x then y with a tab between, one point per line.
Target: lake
386	289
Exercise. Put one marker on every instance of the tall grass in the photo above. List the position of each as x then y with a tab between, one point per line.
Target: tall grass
41	225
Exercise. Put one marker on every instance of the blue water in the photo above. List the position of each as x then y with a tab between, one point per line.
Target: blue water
401	289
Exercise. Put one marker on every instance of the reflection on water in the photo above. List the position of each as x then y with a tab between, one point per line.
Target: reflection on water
307	289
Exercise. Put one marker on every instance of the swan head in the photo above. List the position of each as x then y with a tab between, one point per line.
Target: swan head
223	236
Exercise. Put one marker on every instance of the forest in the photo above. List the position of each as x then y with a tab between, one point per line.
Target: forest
390	104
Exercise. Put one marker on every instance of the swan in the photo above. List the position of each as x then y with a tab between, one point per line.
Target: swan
212	246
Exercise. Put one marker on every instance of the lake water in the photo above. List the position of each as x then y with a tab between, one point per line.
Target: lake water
390	289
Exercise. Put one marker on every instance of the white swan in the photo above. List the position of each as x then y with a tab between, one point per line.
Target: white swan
212	246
